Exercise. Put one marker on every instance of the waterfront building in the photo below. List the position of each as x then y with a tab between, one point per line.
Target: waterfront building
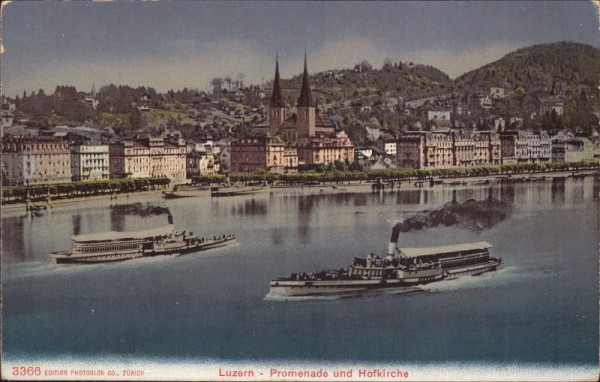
473	148
129	159
224	158
201	164
448	148
147	156
290	159
89	162
201	160
34	160
314	151
574	149
525	147
264	152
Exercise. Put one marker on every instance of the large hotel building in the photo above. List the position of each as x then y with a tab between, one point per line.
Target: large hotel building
448	148
146	156
455	148
34	160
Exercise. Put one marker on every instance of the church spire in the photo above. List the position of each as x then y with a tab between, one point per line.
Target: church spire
276	97
305	98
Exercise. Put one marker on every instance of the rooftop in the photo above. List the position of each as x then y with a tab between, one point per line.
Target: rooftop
416	252
114	235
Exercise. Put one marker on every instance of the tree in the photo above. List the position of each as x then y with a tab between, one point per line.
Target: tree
135	120
217	84
519	91
387	64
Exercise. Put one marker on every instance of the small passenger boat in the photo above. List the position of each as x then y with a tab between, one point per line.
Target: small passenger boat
235	191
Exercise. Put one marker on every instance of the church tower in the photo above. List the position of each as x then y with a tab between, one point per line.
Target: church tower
277	104
305	123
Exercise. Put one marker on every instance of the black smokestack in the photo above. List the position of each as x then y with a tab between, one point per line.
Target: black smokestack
394	239
474	215
396	232
169	217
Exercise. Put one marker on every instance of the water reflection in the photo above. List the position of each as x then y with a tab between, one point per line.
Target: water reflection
360	200
558	190
408	197
250	207
306	204
76	218
285	217
278	236
14	237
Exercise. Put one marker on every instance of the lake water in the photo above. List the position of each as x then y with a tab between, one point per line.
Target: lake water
540	306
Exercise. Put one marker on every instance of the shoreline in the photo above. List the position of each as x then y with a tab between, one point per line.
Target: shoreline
325	188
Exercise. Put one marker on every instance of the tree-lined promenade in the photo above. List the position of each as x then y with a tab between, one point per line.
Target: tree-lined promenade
395	173
45	192
41	192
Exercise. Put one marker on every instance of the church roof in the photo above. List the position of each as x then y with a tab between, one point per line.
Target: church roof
305	98
276	97
322	120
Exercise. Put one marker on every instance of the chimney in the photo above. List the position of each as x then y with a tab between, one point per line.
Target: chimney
394	239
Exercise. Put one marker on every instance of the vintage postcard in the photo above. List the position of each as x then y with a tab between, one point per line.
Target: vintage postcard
300	191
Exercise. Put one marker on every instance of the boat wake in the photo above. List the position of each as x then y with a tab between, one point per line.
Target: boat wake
41	268
279	298
505	275
340	296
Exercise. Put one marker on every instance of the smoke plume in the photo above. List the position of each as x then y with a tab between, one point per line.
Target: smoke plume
475	215
141	209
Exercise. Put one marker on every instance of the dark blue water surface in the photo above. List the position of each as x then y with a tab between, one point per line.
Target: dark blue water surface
541	306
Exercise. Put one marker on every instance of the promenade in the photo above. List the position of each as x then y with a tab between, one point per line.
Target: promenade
321	188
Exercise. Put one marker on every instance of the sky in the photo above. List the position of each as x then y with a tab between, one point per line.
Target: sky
175	44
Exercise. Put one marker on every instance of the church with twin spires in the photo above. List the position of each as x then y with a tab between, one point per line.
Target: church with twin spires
305	140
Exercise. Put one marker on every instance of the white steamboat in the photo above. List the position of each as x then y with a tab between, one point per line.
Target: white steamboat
119	246
401	267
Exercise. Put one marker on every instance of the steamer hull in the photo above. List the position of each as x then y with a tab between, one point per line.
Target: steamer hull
293	288
475	270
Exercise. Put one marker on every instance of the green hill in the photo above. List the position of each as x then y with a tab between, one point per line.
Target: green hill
404	80
540	69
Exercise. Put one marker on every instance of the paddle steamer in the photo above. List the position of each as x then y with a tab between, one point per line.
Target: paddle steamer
119	246
401	267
